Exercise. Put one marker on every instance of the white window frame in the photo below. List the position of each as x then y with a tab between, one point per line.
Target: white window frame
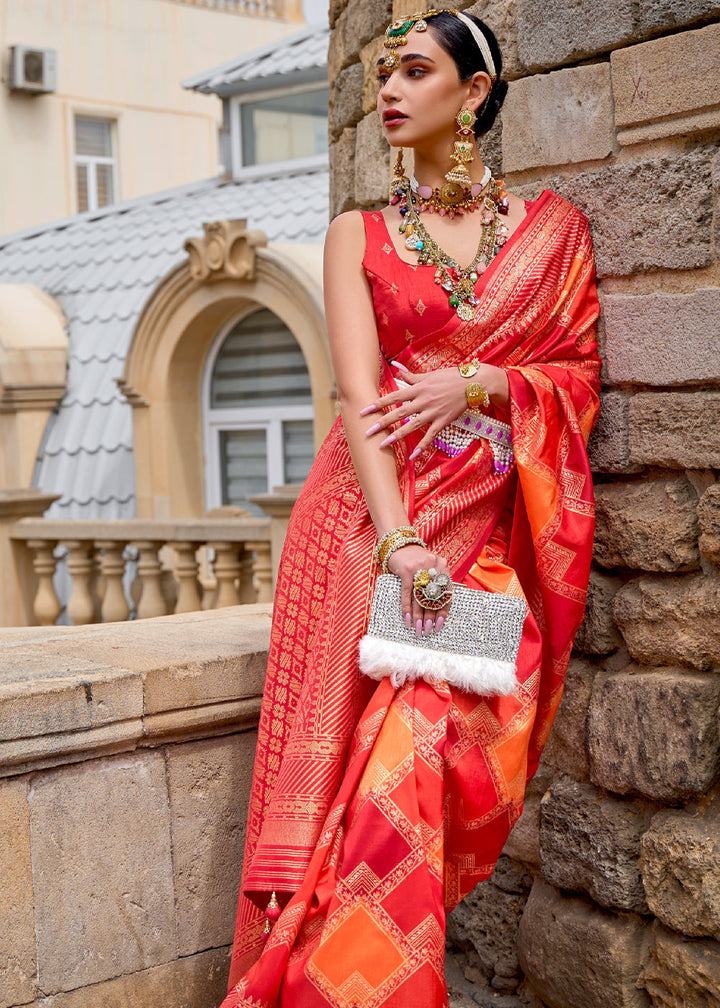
236	103
267	418
90	161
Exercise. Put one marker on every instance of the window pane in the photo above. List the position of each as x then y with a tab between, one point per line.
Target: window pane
105	184
82	186
284	128
93	137
243	460
260	364
298	449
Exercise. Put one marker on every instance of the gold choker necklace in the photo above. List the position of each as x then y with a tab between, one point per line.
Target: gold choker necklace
452	199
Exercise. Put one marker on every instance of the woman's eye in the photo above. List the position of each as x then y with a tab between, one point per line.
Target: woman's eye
383	79
416	72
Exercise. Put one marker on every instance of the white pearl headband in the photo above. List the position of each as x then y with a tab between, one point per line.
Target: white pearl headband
482	43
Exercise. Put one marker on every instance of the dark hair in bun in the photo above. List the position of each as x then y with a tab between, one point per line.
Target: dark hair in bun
457	40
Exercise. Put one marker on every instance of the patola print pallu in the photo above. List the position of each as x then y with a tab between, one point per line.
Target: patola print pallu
375	810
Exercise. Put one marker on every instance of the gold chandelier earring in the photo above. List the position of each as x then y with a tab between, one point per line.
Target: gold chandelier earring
458	178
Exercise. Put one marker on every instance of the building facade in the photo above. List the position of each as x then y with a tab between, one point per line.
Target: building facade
91	107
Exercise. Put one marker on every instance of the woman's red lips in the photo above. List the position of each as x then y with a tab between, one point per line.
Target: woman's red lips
393	116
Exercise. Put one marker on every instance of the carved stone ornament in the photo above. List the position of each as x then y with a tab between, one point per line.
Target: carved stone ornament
227	249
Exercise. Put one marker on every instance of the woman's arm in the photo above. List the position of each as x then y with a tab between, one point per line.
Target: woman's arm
356	359
355	356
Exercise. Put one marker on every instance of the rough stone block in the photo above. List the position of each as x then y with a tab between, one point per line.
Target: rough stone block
671	620
369	56
673	230
102	872
346	100
655	733
372	170
649	525
566	30
342	173
485	927
566	749
523	844
590	841
552	33
709	517
558	118
682	973
643	334
501	17
578	956
17	946
675	430
195	982
680	864
609	445
354	28
209	784
667	86
598	633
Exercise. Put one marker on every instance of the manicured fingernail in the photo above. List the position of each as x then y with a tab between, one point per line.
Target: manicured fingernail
390	439
414	454
439	623
396	363
373	430
408	620
418	627
372	408
428	627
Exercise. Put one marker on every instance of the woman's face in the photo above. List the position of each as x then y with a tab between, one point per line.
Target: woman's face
418	101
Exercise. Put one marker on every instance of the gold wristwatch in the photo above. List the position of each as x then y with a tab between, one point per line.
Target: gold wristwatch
476	396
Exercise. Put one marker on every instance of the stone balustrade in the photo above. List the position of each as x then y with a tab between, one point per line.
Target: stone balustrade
145	568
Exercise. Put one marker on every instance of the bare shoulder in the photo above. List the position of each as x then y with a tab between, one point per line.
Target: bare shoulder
347	229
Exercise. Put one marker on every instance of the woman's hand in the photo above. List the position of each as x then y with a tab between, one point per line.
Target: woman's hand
433	399
405	562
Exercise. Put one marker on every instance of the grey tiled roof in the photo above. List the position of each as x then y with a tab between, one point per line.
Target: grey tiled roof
102	267
295	60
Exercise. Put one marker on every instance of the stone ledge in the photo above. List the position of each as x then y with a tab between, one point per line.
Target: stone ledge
70	692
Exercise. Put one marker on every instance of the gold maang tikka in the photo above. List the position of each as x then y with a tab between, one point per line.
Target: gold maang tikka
396	35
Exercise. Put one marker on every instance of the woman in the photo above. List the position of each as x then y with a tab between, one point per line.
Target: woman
376	809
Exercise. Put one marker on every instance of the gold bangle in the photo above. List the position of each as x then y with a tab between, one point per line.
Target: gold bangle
398	544
393	542
400	530
477	396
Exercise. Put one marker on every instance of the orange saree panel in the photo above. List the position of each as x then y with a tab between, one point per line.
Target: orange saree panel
375	810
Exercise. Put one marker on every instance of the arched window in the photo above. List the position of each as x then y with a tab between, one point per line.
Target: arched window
258	411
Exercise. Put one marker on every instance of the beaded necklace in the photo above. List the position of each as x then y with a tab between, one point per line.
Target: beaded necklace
459	283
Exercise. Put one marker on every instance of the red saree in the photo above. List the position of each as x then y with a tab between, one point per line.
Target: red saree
374	810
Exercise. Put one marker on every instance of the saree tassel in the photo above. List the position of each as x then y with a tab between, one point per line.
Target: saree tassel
272	912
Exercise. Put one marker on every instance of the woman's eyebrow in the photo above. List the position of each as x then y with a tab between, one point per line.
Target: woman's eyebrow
408	58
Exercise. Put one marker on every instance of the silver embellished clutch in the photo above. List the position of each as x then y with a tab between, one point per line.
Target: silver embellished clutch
476	649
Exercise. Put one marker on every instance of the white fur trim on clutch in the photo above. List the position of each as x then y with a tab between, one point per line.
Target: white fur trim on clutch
404	663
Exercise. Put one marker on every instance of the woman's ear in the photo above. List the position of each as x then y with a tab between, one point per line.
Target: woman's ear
479	87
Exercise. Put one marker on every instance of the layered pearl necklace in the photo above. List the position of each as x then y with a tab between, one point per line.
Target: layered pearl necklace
459	283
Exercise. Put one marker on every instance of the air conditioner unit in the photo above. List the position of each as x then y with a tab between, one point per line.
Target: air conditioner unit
33	70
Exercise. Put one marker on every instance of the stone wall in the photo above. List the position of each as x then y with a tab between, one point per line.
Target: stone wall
126	753
608	895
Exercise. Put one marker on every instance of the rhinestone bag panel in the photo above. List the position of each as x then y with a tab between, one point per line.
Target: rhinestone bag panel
479	624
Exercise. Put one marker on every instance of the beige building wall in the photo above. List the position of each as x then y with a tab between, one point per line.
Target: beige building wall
121	60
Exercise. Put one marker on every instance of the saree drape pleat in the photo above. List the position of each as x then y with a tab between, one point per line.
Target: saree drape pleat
373	811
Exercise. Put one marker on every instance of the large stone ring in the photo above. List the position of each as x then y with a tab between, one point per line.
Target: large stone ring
431	590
